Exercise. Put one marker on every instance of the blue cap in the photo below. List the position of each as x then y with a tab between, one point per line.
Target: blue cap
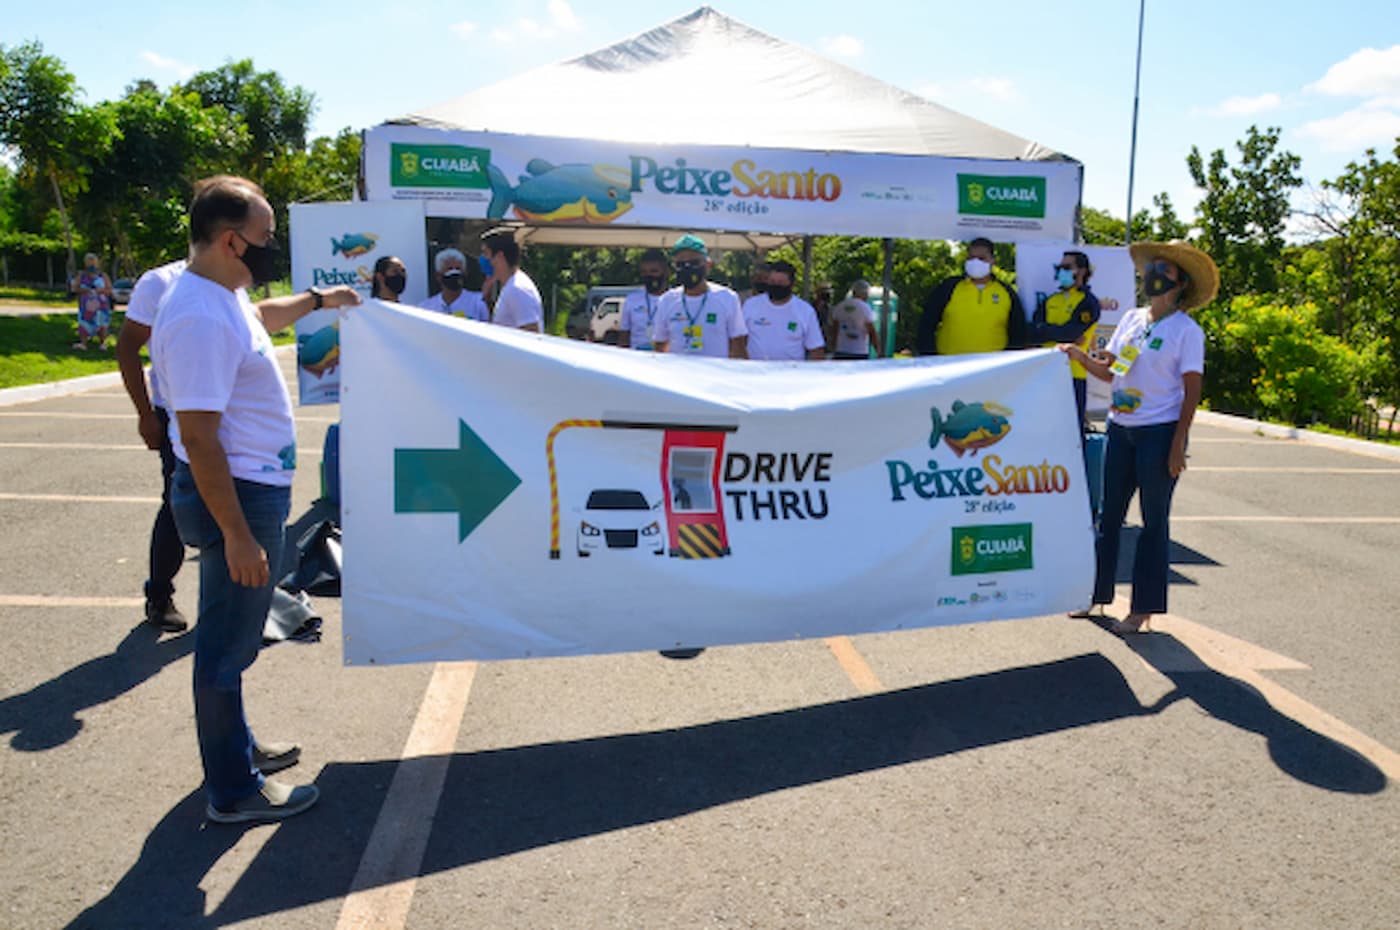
690	242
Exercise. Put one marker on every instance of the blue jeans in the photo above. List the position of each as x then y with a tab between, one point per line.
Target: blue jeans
1136	460
229	630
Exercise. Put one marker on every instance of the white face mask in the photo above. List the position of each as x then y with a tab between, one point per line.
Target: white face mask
977	268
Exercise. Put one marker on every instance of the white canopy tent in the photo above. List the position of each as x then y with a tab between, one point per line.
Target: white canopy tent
900	166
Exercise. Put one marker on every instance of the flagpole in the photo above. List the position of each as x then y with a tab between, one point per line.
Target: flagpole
1132	149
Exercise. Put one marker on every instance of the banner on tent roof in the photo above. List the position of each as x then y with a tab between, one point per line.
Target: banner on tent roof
510	495
556	181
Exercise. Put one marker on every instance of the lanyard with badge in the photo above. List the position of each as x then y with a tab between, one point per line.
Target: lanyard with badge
651	313
1124	362
693	332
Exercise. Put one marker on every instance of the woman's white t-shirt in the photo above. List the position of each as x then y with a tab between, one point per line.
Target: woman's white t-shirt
1152	389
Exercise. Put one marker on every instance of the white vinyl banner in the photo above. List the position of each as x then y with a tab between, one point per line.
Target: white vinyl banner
1114	283
509	494
546	180
338	243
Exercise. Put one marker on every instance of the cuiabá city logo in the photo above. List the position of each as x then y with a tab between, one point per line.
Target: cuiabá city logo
971	428
438	166
1001	547
1002	195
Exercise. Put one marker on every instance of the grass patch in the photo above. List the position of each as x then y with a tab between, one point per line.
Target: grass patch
38	296
38	349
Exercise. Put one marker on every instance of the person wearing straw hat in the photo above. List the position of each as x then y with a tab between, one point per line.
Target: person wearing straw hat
1154	362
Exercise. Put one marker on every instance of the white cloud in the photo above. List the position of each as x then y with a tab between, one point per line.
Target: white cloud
843	46
971	89
1367	73
1375	124
563	16
1242	106
181	69
463	29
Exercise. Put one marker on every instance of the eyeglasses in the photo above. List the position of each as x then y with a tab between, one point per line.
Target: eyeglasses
1162	266
690	265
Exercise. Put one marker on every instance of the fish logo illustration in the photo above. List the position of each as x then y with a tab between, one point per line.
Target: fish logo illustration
550	193
408	164
353	245
319	352
970	426
1127	401
976	193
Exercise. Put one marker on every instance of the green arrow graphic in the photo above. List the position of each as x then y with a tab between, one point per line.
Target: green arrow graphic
470	481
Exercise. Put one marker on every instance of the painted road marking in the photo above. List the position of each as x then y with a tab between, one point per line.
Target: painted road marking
1292	470
854	664
106	447
78	498
44	600
1276	519
382	890
1243	661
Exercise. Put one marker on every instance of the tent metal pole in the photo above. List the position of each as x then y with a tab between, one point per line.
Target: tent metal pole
886	284
807	268
1132	148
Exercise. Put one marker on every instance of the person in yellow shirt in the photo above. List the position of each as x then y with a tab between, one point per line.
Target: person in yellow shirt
973	312
1068	316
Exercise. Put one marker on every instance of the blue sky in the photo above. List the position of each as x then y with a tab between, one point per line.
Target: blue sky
1061	74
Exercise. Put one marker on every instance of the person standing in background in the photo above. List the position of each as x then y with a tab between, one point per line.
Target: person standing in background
639	309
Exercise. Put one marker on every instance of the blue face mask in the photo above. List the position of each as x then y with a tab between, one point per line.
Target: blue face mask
485	264
1064	277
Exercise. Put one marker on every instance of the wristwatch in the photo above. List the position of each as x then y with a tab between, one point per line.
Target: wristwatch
318	295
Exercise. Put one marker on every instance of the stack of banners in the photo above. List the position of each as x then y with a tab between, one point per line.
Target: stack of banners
508	494
335	245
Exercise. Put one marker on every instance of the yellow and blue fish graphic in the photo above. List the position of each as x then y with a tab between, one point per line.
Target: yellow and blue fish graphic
550	193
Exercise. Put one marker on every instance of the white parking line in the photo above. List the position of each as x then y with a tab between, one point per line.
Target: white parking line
1276	519
102	446
1292	470
46	600
382	890
78	498
72	415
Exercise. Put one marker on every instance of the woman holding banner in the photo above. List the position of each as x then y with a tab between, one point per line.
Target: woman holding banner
1154	362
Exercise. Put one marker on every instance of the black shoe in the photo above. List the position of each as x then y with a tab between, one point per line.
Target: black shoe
274	801
274	757
166	617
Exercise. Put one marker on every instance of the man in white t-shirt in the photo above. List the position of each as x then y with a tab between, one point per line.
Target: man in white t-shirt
853	325
454	298
782	327
167	552
640	308
519	303
698	317
235	445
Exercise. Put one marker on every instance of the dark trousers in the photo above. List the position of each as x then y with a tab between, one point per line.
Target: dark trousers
1136	460
167	551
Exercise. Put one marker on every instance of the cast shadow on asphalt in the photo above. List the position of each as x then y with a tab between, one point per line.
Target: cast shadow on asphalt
1177	554
47	715
505	801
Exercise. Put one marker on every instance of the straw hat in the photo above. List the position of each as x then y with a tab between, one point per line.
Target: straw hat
1205	277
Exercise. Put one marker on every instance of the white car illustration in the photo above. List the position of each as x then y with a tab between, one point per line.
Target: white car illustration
620	519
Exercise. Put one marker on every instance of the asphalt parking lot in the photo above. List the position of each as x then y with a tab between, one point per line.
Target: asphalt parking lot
1235	770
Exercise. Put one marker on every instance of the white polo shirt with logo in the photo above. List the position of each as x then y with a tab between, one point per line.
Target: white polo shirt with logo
639	312
700	325
1151	391
781	332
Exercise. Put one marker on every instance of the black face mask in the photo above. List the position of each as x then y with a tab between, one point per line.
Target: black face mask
1156	283
452	279
762	287
654	283
261	260
689	274
779	292
395	283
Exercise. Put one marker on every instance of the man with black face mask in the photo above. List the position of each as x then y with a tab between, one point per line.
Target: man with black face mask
699	318
639	310
235	447
454	298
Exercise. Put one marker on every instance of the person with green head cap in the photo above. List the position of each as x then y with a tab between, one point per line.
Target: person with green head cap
699	317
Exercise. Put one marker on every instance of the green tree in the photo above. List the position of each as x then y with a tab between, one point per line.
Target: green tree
277	117
1243	209
54	134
